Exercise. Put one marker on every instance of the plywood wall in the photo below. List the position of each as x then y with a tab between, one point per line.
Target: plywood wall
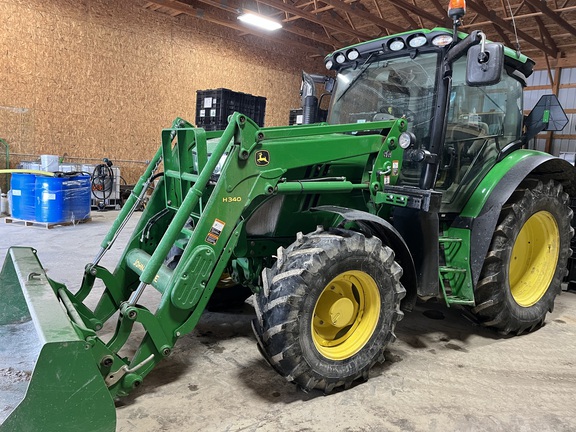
101	78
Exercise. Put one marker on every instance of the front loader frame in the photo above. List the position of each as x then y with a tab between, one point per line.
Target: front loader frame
203	214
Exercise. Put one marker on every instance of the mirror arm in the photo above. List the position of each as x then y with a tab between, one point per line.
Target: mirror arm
462	47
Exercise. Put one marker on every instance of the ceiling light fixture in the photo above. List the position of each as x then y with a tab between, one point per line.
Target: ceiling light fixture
260	21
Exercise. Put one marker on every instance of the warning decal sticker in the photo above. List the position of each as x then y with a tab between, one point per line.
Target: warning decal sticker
215	231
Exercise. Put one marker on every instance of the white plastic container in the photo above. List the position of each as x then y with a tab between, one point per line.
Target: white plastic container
4	207
49	163
29	165
67	167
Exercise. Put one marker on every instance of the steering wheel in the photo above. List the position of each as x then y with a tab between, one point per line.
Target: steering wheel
410	115
381	116
385	114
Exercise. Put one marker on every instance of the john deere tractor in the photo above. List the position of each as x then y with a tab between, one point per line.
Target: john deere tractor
417	186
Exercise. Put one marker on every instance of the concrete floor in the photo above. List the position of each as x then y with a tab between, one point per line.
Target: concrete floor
442	374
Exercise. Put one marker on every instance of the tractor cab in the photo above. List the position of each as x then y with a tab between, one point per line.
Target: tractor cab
459	127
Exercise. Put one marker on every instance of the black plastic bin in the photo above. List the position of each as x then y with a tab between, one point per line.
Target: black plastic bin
214	106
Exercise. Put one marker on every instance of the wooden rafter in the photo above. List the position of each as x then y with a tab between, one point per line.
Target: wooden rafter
503	35
545	26
419	17
289	28
526	16
411	21
441	9
552	15
482	10
313	18
152	6
473	20
347	15
543	30
419	11
356	10
316	11
520	6
202	14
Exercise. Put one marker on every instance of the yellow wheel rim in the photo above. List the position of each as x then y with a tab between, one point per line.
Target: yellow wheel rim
534	258
345	315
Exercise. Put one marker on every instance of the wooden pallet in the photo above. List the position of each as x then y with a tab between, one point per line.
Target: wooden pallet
47	225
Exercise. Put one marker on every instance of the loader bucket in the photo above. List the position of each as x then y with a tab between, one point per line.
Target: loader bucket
49	381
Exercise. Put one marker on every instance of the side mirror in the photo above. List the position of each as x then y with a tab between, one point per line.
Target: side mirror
485	64
547	115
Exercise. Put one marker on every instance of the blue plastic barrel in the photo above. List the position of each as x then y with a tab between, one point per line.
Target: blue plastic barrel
50	194
78	197
63	199
23	196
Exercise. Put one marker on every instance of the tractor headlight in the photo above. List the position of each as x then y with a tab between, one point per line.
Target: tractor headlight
353	55
329	64
396	45
406	139
417	41
340	58
442	40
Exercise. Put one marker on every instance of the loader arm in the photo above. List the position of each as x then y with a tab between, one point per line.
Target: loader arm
215	208
212	184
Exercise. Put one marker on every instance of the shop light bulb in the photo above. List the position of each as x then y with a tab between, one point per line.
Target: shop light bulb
260	21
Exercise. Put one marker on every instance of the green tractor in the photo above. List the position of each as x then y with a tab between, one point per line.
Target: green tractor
417	186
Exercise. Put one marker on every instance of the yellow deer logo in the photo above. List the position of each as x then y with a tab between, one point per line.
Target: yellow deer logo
262	157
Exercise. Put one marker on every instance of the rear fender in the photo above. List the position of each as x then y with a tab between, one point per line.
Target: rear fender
390	237
480	215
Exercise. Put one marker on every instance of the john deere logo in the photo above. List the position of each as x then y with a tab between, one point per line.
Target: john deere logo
262	157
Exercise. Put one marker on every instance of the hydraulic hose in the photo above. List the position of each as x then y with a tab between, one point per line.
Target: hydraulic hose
102	176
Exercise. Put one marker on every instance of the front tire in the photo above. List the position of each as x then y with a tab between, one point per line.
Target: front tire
527	258
328	308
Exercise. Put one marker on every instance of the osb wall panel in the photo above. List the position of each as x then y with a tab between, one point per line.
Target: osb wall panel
100	78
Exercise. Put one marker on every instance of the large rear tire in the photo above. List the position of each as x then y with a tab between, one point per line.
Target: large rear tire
328	308
527	258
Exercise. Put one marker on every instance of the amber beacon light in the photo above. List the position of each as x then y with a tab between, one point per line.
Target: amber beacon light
456	9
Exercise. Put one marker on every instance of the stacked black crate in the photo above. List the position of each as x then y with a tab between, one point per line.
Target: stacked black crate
295	117
214	106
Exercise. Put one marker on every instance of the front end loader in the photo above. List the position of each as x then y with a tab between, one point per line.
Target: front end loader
418	186
227	202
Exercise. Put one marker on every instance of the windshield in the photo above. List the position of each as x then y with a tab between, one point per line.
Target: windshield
386	89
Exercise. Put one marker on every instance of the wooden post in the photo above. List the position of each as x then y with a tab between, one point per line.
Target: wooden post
555	88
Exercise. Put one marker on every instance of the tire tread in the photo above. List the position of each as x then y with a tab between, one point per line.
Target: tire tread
277	322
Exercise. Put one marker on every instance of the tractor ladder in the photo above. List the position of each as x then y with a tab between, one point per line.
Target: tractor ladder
455	276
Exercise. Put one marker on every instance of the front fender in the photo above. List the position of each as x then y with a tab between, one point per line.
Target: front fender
481	212
390	237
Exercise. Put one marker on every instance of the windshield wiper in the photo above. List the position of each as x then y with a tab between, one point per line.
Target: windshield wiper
364	67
